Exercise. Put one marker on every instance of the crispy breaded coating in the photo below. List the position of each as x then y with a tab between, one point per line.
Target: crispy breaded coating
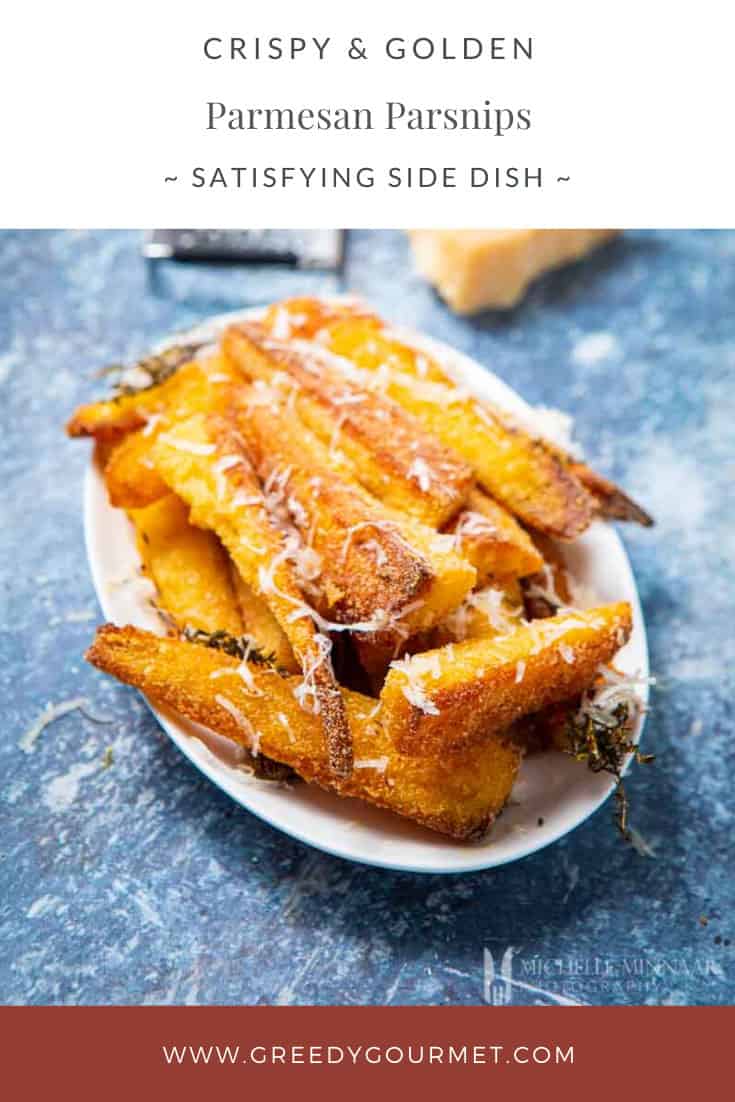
203	461
370	564
459	694
353	332
520	472
394	458
457	794
131	478
188	567
193	387
612	502
321	495
260	625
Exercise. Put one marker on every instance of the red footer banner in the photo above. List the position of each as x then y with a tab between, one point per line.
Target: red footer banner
107	1052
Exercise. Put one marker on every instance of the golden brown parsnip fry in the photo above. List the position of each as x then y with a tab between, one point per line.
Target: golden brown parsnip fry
487	535
457	794
187	566
612	502
521	473
194	386
353	332
372	564
350	330
460	694
130	475
367	343
526	475
203	461
260	624
393	457
305	316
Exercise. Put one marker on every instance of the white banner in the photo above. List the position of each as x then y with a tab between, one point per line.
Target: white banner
520	113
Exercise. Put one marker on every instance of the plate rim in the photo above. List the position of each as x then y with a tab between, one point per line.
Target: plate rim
186	742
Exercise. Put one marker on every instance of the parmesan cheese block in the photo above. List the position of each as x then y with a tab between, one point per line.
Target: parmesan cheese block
483	269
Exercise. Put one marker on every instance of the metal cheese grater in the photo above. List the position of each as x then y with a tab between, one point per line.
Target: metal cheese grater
304	249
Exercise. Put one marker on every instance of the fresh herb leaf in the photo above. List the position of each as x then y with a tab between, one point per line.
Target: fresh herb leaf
237	646
603	740
150	371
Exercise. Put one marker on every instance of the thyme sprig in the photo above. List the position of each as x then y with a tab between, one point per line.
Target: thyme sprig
150	371
237	646
604	741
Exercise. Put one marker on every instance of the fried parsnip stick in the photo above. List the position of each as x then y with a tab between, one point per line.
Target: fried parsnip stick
260	624
372	565
457	794
360	336
188	567
521	473
203	461
457	695
487	535
131	478
130	474
394	458
611	501
193	385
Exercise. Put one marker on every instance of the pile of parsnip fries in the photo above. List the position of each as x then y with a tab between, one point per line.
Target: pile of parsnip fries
356	564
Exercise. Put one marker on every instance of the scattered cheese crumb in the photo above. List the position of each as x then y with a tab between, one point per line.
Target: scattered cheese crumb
50	714
379	764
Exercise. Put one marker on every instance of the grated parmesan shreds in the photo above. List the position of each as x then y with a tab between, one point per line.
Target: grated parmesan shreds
567	653
241	500
420	473
375	549
152	420
640	844
283	720
49	715
243	671
219	468
379	764
193	447
381	619
305	692
618	688
242	721
336	433
416	695
226	462
490	603
281	324
414	669
520	671
473	524
546	588
381	525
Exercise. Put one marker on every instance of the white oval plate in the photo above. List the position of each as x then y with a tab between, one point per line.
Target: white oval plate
551	788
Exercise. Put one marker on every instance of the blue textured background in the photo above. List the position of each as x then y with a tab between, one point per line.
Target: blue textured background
142	883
